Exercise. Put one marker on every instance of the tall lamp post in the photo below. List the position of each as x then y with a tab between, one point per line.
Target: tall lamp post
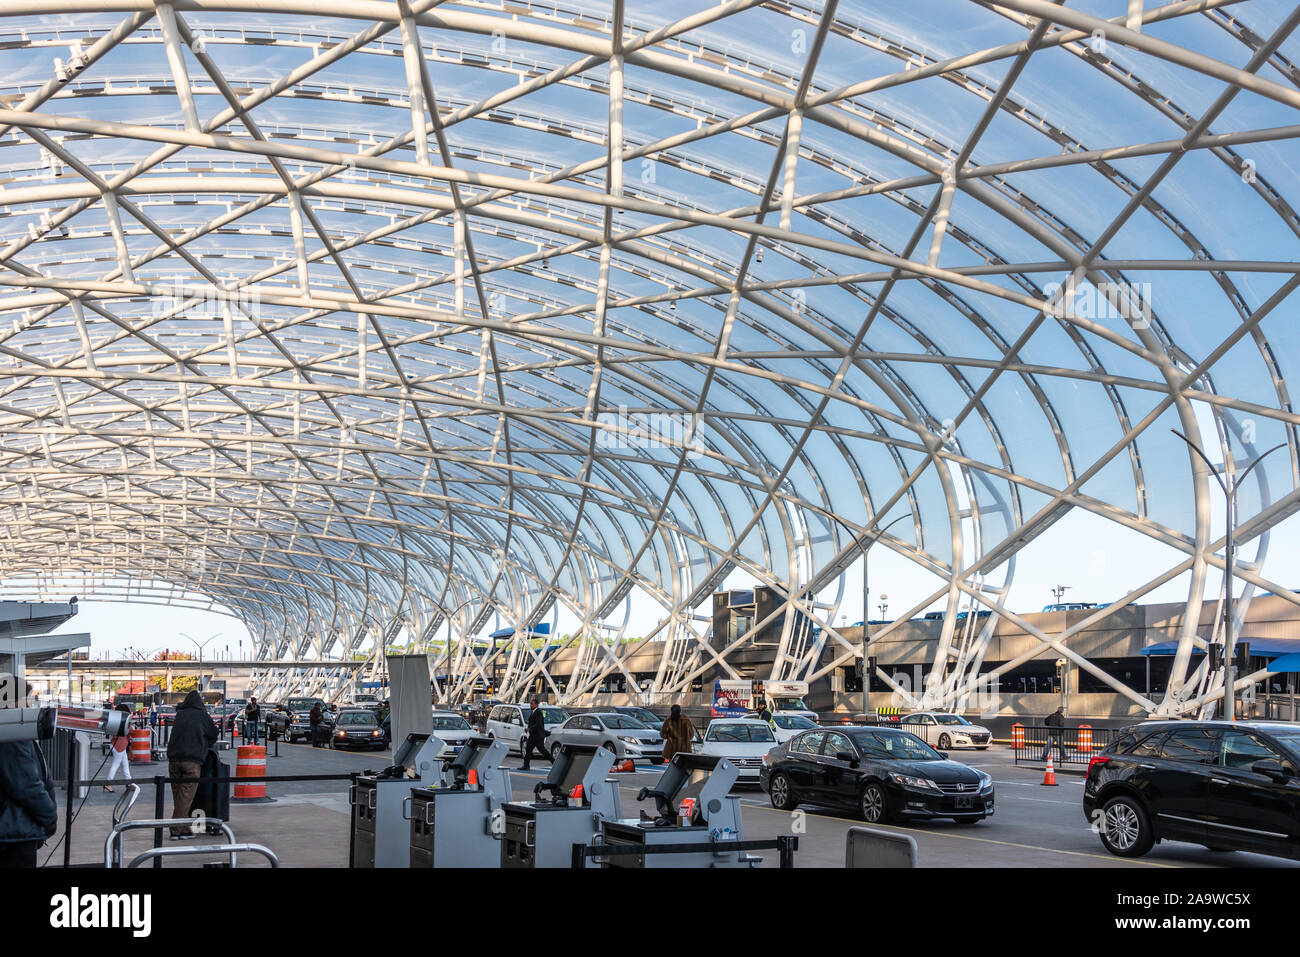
864	540
1229	481
200	645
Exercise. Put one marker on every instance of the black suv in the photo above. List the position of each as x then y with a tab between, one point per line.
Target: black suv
1231	786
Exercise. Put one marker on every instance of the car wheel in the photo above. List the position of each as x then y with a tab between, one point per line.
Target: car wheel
555	751
1125	828
945	743
780	793
873	804
610	746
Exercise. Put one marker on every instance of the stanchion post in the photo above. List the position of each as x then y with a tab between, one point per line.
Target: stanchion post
157	814
67	809
352	819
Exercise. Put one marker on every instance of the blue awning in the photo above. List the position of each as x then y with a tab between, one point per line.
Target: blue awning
1259	647
535	631
1285	664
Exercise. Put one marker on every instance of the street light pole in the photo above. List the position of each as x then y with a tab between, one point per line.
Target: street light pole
861	540
200	645
1229	487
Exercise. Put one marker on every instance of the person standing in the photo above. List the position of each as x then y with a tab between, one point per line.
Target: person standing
678	733
315	716
535	739
117	748
193	733
252	715
1055	734
28	813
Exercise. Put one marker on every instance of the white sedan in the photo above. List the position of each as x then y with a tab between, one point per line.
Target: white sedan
786	725
453	730
945	731
742	741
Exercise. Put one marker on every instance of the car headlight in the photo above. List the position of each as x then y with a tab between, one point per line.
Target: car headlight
376	733
629	740
924	784
986	781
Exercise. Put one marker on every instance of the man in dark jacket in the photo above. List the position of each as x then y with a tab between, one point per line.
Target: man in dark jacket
28	814
1055	735
193	733
536	736
315	717
252	715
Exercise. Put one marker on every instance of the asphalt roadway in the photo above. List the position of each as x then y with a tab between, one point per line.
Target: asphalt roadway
306	823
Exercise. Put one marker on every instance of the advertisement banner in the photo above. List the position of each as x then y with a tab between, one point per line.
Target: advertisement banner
731	698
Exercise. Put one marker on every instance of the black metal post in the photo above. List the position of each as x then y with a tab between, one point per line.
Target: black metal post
72	786
158	814
352	819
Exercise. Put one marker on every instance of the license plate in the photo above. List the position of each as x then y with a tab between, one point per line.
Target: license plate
963	803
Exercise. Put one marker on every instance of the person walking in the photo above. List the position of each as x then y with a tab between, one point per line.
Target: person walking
28	813
315	717
117	749
678	733
252	715
193	733
1055	734
535	739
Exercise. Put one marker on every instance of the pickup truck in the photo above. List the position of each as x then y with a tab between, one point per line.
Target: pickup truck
292	719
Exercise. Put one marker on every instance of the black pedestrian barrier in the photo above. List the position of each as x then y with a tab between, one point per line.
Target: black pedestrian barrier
1071	747
785	845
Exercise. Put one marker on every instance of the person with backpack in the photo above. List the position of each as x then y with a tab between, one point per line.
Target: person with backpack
117	749
1055	723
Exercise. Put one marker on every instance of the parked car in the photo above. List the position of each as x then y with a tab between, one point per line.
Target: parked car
1231	786
883	773
946	731
453	730
293	718
742	741
786	725
620	733
509	722
644	715
357	728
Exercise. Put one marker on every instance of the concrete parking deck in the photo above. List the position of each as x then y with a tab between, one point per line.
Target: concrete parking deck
306	823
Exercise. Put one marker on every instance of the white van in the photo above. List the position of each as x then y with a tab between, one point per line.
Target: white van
509	723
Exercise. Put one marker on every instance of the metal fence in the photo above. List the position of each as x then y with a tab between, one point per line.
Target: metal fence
1069	746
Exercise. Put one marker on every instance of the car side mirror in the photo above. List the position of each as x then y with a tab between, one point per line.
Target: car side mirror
1270	768
848	757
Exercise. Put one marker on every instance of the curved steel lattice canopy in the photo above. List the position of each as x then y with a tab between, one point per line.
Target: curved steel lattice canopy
351	311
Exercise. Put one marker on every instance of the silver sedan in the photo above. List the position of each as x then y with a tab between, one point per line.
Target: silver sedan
624	735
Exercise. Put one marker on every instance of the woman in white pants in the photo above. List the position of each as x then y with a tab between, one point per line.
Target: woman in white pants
118	746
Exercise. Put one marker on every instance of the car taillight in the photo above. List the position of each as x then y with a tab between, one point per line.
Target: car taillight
1097	761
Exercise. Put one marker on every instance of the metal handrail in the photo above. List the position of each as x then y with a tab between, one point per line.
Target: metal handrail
130	796
231	849
113	843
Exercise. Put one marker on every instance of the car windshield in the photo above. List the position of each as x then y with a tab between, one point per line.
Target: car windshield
950	719
303	704
740	732
554	715
894	746
360	719
622	722
793	722
450	723
789	704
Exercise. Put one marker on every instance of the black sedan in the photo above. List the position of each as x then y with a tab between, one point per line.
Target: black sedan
883	773
357	728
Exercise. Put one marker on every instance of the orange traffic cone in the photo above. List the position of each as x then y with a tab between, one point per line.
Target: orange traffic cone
625	765
1049	777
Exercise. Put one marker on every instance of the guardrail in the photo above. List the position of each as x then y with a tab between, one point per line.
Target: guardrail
1069	747
785	845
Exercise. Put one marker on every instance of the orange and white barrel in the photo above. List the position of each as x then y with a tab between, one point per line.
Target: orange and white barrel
1017	735
139	745
250	762
1085	739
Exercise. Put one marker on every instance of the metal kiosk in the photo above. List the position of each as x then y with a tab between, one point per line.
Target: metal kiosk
697	785
451	821
542	833
382	835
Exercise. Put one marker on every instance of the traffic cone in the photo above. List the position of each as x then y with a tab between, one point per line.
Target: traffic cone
1049	777
625	765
